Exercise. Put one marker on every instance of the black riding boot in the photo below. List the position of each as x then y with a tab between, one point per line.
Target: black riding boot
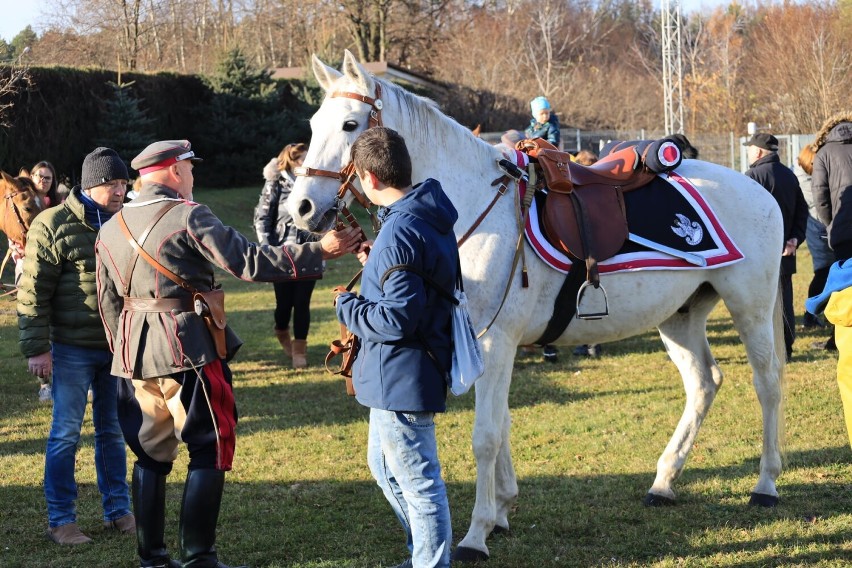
149	506
199	515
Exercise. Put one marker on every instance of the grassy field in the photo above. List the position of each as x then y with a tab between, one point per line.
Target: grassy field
585	440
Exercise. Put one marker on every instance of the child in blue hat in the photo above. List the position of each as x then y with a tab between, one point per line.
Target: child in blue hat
544	123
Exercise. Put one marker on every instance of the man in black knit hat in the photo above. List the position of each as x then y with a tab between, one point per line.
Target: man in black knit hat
61	334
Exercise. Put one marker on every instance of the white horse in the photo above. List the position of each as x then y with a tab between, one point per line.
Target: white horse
677	302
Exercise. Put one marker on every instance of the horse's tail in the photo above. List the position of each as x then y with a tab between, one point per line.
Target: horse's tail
781	355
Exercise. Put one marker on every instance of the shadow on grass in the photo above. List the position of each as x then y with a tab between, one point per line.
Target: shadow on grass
576	520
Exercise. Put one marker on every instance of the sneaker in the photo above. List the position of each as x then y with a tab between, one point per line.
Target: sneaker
45	394
550	353
828	345
588	350
69	534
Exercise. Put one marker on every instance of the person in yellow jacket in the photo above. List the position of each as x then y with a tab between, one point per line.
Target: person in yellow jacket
836	302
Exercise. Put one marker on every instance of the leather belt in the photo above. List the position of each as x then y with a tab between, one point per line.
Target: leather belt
174	305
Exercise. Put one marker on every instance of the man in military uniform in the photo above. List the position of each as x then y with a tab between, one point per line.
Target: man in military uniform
155	276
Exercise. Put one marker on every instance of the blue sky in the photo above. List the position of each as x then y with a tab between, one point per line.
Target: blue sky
17	14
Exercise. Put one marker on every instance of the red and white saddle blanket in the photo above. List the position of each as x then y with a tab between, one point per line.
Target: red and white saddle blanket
669	210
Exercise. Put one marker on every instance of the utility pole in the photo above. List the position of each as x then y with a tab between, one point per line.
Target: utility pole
672	66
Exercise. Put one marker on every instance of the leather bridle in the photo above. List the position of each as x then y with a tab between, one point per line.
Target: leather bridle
346	174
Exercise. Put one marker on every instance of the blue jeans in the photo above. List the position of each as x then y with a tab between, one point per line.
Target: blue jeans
403	456
75	370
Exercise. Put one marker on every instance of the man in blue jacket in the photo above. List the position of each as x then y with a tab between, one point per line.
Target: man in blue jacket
405	329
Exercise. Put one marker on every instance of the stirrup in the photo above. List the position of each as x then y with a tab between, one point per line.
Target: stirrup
591	315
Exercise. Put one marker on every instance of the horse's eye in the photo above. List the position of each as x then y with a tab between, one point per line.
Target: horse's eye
350	125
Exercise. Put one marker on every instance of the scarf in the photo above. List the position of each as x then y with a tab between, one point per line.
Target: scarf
96	215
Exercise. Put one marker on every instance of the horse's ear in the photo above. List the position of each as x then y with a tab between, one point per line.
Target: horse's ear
24	173
353	70
325	75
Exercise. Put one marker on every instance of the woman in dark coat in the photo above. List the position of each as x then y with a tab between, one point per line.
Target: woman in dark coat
274	226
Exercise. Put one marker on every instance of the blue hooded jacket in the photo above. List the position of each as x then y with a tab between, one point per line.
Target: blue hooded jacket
393	370
839	278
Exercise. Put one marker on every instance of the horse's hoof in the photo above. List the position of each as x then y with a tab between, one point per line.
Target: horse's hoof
465	554
763	500
654	500
498	530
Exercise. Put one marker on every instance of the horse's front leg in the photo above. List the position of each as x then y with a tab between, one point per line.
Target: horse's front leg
490	440
506	482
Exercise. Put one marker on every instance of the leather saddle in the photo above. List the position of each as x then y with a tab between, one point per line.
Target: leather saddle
584	214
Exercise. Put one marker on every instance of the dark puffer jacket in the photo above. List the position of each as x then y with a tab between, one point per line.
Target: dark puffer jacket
831	181
272	221
57	294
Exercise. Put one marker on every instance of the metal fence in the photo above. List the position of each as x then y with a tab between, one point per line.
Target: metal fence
724	149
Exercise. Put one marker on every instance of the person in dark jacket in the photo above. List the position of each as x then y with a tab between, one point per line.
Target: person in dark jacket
274	226
544	123
831	182
61	334
816	235
767	170
405	329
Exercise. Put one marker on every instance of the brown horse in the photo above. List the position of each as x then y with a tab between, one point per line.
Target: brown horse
17	210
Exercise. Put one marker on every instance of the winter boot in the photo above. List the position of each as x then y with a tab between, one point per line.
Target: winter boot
149	502
283	336
300	353
199	515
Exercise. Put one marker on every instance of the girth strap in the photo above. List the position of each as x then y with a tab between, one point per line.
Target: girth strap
564	306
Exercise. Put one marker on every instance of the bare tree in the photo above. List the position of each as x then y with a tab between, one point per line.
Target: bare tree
13	79
800	74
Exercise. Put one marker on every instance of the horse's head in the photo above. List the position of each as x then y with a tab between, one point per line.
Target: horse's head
19	206
353	103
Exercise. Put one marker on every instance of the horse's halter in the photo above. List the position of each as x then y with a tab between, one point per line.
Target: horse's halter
347	173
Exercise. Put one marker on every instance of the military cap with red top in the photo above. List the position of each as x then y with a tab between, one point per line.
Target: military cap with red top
163	154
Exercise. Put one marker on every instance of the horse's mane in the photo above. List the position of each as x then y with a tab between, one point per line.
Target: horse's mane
432	124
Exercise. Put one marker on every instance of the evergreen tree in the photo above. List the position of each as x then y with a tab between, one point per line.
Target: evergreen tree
234	75
248	121
25	38
124	126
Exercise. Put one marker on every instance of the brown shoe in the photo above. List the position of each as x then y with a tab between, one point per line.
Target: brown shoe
283	336
124	525
67	534
300	353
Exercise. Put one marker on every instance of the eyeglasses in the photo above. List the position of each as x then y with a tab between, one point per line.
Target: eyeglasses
45	178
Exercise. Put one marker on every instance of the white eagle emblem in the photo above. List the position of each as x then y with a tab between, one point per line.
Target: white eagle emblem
690	230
